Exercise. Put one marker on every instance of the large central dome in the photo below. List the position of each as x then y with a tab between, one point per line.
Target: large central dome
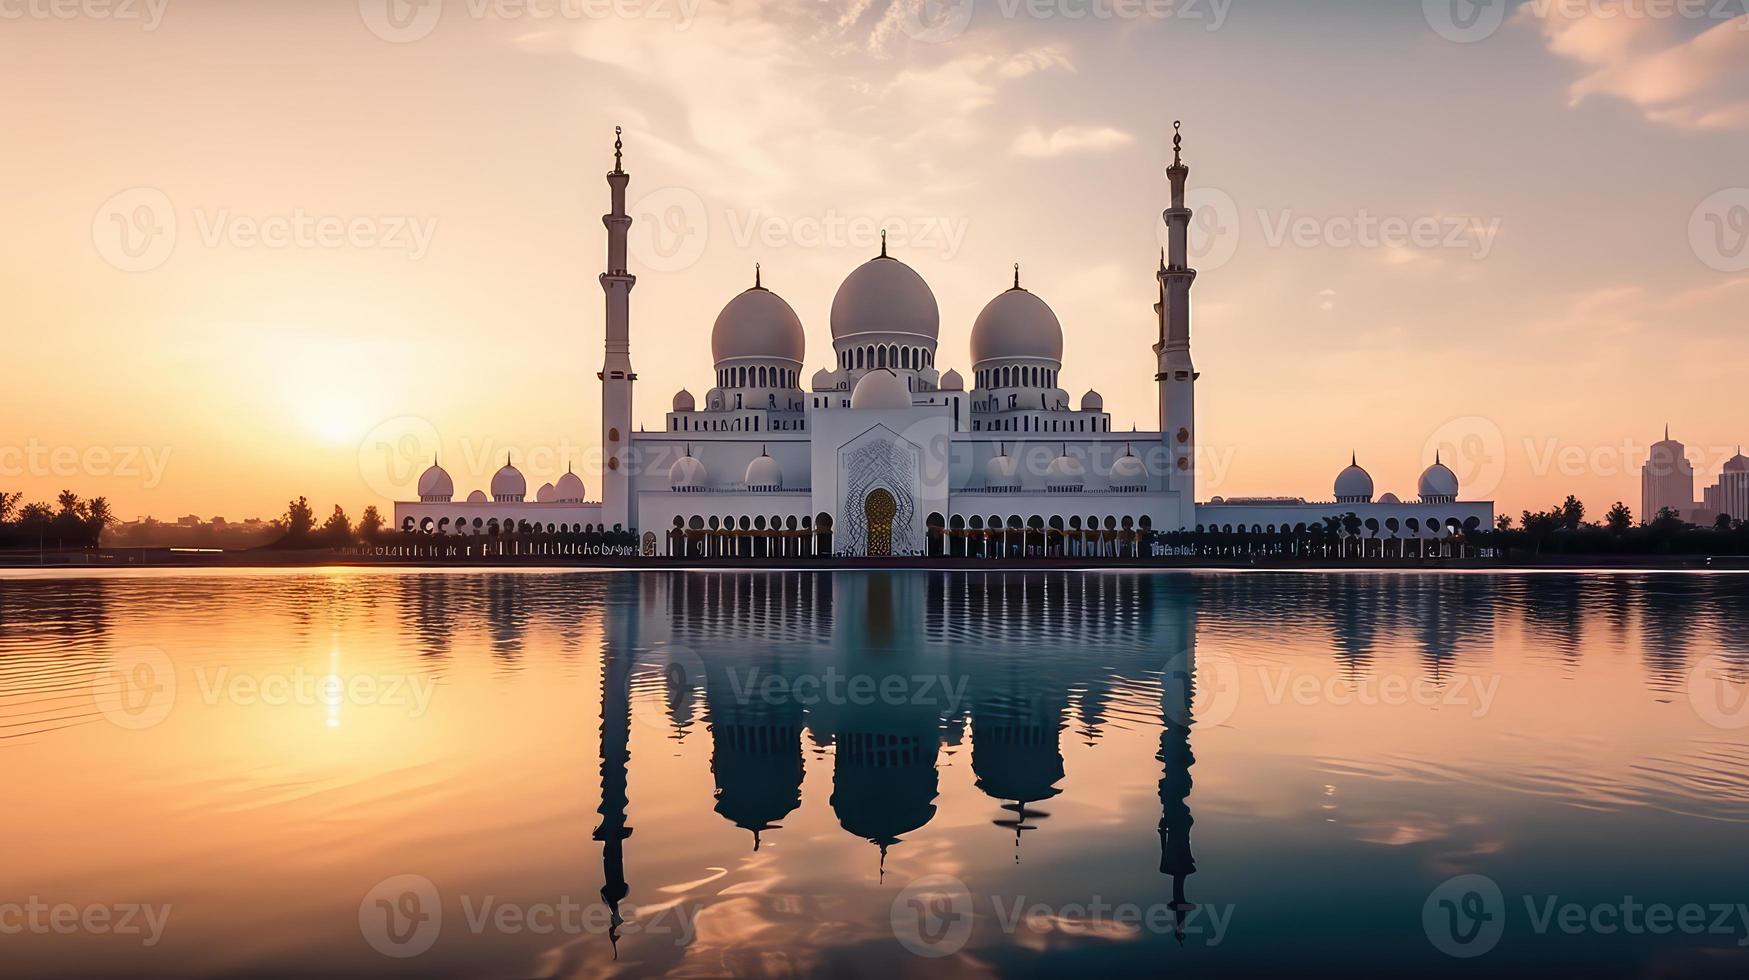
884	296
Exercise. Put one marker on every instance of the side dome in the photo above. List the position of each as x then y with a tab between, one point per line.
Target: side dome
478	497
885	296
1002	472
687	473
881	388
763	473
952	381
823	380
1438	484
1065	473
1093	401
758	324
1128	472
508	485
546	494
1390	498
1738	463
1354	484
569	489
1016	324
435	486
683	401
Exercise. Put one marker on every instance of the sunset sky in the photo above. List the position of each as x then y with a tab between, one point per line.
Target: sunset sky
1575	180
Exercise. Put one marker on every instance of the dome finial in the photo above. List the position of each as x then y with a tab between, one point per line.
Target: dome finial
1017	275
1354	457
618	146
1177	143
756	282
883	243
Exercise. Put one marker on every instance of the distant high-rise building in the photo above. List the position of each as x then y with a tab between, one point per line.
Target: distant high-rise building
1731	494
1667	480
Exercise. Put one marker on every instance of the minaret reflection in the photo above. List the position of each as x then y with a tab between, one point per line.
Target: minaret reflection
618	652
1177	692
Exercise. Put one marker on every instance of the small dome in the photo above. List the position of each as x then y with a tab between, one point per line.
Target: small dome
435	485
823	380
1390	498
569	489
1002	471
763	474
1093	401
1438	483
683	401
758	323
951	381
1065	472
881	388
687	473
1128	471
1354	484
1016	324
478	497
546	494
1738	463
508	484
885	296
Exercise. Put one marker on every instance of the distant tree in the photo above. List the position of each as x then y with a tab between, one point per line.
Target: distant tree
69	504
337	530
98	518
1540	526
1619	519
35	517
1571	513
1722	522
1503	522
299	519
8	505
370	523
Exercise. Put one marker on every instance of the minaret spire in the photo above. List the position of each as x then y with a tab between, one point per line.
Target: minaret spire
1176	373
616	373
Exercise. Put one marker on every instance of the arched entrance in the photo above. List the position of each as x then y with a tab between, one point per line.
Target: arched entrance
879	507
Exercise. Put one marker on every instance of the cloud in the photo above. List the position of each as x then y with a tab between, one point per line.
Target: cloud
1070	139
1694	82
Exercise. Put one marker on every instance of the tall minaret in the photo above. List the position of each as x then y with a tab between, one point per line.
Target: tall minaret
616	372
1177	375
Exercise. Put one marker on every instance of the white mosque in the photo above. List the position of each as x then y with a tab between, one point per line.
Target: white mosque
886	454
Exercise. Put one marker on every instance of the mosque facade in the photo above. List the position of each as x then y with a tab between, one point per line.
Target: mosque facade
885	451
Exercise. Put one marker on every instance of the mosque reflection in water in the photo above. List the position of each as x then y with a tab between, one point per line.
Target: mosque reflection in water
983	653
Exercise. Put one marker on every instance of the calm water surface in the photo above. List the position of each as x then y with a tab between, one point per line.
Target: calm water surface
364	772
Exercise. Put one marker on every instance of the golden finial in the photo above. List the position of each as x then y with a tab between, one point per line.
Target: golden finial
756	284
618	145
1177	143
1017	275
883	243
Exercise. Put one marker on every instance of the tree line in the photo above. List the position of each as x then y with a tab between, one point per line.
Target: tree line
70	522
